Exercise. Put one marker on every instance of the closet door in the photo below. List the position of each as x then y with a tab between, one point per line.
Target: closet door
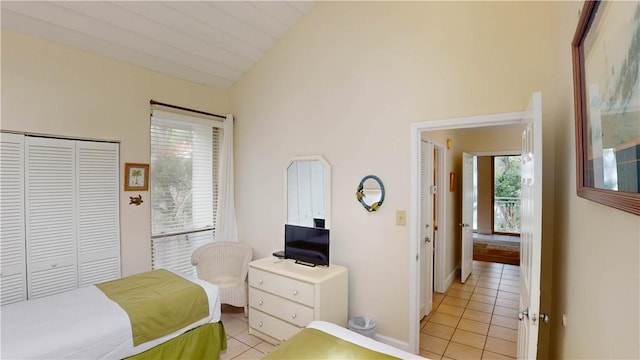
12	245
98	212
50	216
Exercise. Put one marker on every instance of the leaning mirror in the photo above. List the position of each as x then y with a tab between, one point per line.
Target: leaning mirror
370	192
308	191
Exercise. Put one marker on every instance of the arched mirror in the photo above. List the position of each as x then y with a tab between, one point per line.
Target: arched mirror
308	191
370	192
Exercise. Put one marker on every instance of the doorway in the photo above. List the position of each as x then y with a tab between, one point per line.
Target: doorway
496	207
447	230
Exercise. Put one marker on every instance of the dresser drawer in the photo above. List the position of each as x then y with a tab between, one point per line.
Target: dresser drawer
281	308
285	287
276	328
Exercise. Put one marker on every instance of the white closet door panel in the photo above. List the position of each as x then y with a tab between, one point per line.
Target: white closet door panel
53	280
12	233
304	194
50	215
14	287
96	271
98	212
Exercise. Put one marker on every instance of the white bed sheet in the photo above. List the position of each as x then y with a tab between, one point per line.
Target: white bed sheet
353	337
80	324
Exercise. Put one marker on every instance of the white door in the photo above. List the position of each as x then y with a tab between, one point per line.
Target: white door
531	230
467	216
50	213
13	278
98	220
426	228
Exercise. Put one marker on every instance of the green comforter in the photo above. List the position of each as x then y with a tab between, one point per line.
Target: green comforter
314	344
158	302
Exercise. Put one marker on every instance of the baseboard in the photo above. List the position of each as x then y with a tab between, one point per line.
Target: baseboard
402	345
451	277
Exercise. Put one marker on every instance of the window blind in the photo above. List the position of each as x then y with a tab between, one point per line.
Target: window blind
185	153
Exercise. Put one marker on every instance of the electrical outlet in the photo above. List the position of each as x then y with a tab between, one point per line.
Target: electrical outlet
401	217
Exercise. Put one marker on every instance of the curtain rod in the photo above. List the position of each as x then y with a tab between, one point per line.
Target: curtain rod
153	102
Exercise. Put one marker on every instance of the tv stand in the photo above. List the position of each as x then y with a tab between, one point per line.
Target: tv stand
285	297
300	262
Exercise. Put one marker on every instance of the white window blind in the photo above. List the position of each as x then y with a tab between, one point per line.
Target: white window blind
185	154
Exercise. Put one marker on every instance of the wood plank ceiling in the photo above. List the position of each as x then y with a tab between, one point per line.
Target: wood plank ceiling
209	42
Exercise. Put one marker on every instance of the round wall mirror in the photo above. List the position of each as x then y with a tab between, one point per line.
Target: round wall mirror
370	192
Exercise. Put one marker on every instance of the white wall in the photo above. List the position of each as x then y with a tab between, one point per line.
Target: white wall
54	89
347	82
596	254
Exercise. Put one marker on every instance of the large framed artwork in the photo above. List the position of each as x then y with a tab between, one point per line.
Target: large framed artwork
606	57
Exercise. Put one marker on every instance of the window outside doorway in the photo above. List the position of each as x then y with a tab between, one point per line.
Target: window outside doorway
506	194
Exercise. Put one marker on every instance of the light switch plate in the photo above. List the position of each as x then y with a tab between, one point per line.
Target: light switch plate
401	217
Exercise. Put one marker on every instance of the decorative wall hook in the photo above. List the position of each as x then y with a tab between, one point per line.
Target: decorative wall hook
136	200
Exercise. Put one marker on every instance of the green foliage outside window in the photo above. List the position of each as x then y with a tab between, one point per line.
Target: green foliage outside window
507	192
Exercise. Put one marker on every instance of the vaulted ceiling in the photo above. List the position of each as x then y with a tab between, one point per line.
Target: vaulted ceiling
209	42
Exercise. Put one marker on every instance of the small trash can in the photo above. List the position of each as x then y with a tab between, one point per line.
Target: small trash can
363	325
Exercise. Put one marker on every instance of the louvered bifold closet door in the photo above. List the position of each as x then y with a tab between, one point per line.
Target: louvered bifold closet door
98	212
50	216
12	245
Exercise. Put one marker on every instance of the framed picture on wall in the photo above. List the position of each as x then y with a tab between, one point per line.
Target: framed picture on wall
606	61
136	177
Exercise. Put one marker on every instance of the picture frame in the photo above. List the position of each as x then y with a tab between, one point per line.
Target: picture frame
606	101
136	177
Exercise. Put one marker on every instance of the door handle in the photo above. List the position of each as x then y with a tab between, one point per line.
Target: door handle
544	318
522	314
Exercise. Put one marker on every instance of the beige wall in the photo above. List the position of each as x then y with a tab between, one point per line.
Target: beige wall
53	89
596	254
347	82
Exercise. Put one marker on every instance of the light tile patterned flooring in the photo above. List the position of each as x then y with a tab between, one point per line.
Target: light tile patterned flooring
474	320
241	345
477	319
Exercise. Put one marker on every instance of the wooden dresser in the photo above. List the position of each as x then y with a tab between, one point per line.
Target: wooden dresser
284	297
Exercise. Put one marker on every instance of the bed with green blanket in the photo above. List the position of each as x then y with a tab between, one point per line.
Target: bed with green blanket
324	340
152	315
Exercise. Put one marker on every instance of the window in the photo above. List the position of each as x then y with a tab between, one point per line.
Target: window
185	154
506	201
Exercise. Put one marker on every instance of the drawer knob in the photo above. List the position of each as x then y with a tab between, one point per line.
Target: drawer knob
260	281
293	316
260	302
260	324
295	292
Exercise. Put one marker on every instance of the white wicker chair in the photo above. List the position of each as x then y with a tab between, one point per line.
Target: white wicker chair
225	264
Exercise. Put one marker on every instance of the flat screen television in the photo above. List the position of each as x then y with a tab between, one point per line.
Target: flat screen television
306	245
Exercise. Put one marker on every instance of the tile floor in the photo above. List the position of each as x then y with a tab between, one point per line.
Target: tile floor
474	320
240	345
477	319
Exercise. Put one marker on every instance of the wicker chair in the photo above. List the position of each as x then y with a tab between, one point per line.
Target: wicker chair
225	264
